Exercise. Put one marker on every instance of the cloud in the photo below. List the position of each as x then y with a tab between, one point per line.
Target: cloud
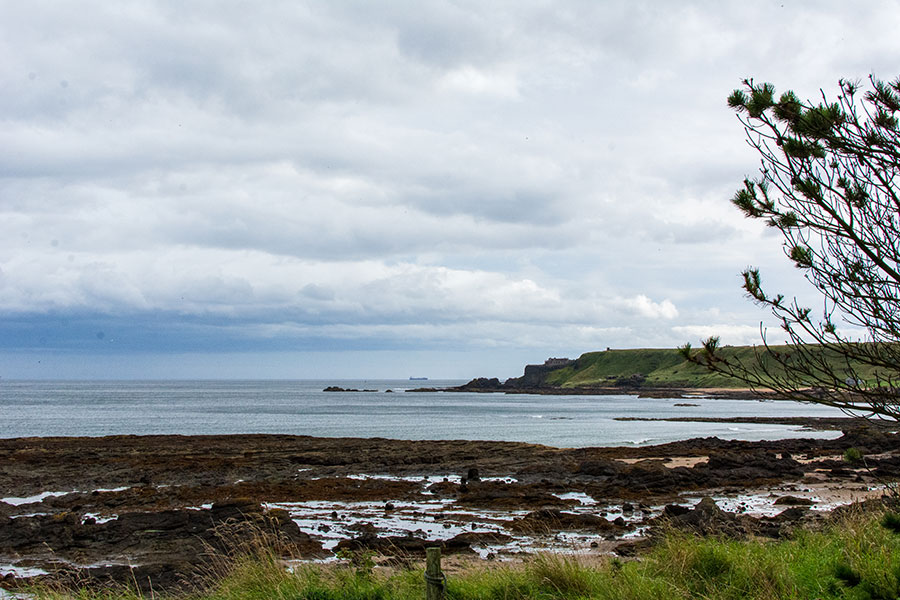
470	80
645	307
344	175
728	333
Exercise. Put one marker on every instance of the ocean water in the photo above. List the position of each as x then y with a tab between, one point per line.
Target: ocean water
97	408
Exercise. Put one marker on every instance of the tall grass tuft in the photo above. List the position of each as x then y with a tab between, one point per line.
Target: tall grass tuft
566	575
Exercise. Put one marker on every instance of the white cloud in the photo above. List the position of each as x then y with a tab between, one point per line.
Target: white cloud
643	306
469	79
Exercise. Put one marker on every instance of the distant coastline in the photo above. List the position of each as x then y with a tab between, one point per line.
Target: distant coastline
487	386
648	373
645	372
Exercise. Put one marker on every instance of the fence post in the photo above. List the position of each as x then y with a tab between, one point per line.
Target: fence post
434	578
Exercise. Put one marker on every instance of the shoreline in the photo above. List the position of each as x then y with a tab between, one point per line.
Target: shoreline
149	500
806	423
494	386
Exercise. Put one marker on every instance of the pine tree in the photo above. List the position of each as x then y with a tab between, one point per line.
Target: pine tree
829	183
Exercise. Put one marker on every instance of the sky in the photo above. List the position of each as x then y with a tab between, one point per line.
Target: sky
353	189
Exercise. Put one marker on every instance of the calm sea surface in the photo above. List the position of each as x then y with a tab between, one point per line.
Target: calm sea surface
95	408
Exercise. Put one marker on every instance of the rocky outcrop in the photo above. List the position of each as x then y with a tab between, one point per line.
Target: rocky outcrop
500	495
151	481
535	375
651	477
599	467
406	546
793	501
181	540
481	384
755	466
707	519
550	520
654	476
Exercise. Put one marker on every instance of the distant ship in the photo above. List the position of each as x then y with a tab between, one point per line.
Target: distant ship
418	379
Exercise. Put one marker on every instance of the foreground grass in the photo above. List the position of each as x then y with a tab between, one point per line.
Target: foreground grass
856	558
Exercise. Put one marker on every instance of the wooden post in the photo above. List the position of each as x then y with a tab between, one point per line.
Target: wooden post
434	578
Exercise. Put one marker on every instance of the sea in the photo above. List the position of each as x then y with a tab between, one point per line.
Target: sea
389	410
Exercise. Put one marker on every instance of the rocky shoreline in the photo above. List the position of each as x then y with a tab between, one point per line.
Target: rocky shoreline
807	423
532	385
154	509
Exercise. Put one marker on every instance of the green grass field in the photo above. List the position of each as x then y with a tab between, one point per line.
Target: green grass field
856	557
658	367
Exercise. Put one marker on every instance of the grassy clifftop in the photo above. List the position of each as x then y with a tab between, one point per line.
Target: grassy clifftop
645	367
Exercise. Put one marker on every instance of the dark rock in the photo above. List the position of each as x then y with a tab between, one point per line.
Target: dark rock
650	476
791	514
444	489
868	439
481	537
497	494
675	510
408	545
598	467
631	548
547	520
793	501
149	537
176	578
481	384
363	528
886	467
745	467
534	375
783	524
706	518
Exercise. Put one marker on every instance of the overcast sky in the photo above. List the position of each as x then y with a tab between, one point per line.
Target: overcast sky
385	189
